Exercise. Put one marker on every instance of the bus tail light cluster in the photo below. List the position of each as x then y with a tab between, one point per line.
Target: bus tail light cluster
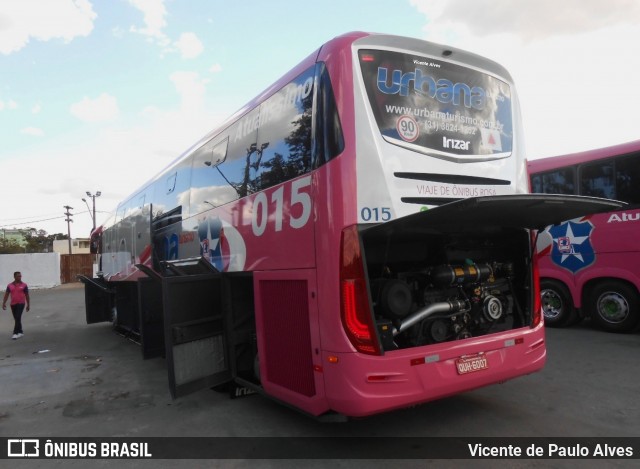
355	309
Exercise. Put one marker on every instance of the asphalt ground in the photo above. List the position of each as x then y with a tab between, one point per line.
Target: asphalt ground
65	378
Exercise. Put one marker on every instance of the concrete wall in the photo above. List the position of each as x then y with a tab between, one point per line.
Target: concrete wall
38	270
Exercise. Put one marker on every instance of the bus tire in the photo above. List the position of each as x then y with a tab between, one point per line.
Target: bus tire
614	306
557	305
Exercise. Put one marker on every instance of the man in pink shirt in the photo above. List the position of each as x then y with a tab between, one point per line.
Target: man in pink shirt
19	297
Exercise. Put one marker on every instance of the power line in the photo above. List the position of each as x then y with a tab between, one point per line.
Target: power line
9	224
6	224
37	221
25	218
29	222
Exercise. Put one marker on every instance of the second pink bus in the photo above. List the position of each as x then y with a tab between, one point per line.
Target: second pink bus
589	266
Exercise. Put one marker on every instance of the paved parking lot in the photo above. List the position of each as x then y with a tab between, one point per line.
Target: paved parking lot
66	378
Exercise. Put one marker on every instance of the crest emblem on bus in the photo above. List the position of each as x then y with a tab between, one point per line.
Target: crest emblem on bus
222	245
572	248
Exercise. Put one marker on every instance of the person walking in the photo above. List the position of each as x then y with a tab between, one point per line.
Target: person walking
19	298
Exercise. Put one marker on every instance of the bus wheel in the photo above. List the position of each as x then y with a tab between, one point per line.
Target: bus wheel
614	306
557	305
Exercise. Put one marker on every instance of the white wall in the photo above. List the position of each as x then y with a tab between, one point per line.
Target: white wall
38	270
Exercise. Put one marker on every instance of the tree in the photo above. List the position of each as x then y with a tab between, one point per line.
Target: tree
34	240
10	246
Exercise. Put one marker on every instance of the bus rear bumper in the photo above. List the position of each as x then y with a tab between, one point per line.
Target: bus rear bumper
360	385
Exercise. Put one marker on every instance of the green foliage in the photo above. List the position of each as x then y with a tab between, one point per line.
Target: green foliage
33	240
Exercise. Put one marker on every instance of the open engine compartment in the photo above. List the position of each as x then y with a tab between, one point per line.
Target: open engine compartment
460	270
439	285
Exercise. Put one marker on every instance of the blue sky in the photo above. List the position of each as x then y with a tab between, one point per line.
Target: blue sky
102	94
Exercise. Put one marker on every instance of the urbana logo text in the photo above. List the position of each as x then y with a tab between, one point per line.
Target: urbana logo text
442	89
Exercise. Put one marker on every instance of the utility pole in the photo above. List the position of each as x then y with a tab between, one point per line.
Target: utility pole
69	221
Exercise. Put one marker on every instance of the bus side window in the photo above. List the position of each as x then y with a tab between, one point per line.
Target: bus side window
328	141
628	178
283	149
236	169
172	190
554	182
209	188
597	180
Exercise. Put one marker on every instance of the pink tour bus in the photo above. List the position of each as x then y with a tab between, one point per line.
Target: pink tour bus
589	265
354	240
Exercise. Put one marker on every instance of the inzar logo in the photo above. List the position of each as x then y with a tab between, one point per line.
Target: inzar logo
453	143
23	448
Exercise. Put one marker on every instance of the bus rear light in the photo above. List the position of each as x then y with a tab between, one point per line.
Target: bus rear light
332	359
513	342
353	295
387	378
356	316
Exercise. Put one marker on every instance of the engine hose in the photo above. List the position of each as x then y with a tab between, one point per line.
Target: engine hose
453	306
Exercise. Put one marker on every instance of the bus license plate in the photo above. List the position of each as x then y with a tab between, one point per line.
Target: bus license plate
471	364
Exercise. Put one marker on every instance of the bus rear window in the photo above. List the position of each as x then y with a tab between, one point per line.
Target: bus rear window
437	107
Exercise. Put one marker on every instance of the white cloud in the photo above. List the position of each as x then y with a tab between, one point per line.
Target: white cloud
9	105
154	13
21	20
102	108
117	32
528	19
158	137
568	73
215	68
36	109
70	164
189	46
33	131
191	88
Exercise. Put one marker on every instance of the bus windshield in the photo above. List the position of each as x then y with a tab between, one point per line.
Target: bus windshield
437	107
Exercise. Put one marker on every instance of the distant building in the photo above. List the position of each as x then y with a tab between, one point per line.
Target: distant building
78	246
14	235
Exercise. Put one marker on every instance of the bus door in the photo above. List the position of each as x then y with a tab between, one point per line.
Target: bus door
194	331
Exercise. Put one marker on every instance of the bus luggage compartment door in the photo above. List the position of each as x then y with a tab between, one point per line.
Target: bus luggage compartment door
98	300
151	317
195	340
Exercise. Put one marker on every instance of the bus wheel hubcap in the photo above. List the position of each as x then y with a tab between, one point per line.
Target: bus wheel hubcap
551	304
613	307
